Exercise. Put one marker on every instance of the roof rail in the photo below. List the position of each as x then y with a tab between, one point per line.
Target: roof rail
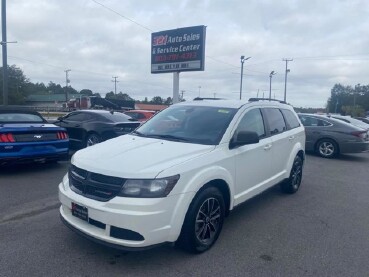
266	99
206	98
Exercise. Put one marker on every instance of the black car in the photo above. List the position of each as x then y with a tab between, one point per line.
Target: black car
88	127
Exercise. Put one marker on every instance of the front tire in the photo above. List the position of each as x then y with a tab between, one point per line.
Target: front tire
293	183
203	222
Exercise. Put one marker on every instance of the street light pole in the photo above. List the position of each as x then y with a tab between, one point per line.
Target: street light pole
270	84
242	61
285	78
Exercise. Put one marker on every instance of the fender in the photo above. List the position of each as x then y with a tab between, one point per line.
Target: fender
195	183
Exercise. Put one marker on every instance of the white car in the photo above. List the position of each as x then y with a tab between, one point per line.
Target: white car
177	176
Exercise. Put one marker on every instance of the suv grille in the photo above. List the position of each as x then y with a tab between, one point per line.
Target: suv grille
92	185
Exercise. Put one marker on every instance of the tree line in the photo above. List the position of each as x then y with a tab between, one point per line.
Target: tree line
20	87
345	100
348	100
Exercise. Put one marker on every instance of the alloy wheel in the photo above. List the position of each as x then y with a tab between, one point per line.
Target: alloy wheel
208	220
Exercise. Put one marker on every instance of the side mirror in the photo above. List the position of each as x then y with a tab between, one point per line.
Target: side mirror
60	118
244	138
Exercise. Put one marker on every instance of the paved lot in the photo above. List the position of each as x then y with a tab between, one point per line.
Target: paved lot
321	231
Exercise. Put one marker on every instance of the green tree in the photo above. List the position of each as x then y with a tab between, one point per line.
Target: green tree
157	100
86	92
169	101
17	83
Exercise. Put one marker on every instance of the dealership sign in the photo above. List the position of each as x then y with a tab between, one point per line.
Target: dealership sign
178	50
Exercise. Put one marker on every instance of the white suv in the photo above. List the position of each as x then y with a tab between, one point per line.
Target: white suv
177	176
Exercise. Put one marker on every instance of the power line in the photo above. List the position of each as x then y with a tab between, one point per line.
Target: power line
123	16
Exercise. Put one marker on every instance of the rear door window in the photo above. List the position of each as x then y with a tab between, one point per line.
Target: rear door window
276	121
291	119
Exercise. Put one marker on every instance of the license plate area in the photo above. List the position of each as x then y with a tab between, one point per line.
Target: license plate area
80	211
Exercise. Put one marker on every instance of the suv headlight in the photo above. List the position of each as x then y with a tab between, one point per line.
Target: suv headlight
148	188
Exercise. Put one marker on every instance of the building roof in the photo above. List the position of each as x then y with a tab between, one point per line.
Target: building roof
50	97
151	107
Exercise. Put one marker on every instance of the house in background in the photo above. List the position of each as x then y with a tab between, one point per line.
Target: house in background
150	107
48	100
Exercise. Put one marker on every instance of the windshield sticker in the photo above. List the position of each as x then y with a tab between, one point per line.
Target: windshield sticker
223	111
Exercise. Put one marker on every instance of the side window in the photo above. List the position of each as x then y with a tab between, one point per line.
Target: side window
275	120
252	121
79	117
309	121
291	119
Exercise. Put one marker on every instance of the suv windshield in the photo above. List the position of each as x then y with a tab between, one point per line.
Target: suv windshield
193	124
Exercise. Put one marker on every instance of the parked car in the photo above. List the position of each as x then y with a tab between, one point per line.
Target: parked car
140	115
329	137
353	121
363	119
178	175
89	127
25	136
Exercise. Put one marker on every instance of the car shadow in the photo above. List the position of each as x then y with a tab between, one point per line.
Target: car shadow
360	157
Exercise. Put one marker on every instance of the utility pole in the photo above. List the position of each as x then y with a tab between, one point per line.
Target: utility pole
285	78
67	81
115	84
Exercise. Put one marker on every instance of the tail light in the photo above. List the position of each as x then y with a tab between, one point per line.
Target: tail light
7	138
360	134
62	135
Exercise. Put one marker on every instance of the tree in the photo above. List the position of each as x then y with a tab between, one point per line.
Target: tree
157	100
169	101
17	82
86	92
348	100
55	88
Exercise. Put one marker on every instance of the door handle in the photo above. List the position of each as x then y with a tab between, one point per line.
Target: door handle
267	147
291	138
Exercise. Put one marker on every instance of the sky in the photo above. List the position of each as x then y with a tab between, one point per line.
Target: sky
98	39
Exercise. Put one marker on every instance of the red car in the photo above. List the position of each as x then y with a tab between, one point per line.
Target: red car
140	115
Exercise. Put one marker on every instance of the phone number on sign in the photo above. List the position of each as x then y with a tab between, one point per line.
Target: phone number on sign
175	57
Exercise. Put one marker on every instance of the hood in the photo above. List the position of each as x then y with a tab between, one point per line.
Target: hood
131	156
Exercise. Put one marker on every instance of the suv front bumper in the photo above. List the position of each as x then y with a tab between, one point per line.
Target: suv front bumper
126	223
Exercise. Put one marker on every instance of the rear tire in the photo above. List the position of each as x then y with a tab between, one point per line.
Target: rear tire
327	148
293	183
92	139
203	222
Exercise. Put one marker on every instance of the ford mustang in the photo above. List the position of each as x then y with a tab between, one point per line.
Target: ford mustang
25	136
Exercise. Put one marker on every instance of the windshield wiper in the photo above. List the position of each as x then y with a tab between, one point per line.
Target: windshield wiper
139	134
169	137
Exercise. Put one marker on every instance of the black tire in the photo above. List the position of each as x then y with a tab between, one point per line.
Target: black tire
293	183
327	148
203	222
92	139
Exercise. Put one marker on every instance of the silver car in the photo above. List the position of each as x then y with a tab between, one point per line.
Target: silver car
329	137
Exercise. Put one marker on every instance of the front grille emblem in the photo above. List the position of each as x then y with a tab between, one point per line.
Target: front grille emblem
37	136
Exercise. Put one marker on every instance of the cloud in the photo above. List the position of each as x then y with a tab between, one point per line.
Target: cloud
96	44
